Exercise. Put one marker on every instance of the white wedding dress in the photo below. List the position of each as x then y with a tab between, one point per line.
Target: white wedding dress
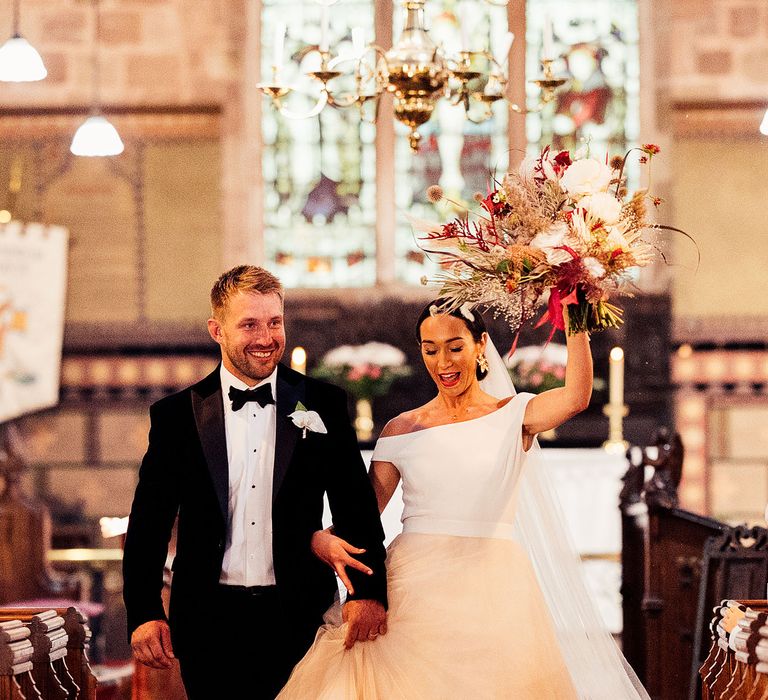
466	616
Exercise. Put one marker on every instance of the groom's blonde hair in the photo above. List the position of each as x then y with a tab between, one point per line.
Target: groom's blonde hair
243	278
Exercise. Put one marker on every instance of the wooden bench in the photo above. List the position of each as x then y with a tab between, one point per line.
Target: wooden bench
737	665
16	681
59	641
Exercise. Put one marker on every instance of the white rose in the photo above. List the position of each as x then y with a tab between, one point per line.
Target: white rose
586	176
340	356
594	267
553	353
382	354
549	243
603	206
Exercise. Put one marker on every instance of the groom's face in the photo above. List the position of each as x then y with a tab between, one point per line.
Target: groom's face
251	334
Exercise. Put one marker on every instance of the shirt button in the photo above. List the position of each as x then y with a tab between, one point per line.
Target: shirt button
253	486
253	523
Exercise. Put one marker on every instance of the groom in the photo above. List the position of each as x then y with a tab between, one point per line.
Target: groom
247	483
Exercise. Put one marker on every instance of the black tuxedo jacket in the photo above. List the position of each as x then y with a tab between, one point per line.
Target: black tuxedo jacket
185	472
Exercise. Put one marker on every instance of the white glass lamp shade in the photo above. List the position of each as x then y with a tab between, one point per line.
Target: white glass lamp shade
96	137
764	132
20	62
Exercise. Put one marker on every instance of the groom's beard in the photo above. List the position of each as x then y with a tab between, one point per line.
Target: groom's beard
253	367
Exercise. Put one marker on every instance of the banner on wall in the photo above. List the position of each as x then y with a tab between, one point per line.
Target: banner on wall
33	281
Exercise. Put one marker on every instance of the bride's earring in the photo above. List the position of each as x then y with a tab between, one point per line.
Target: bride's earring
482	363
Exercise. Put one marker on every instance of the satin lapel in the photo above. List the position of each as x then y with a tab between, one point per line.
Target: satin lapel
290	390
208	409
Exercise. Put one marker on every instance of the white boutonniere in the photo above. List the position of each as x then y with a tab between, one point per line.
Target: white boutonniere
307	420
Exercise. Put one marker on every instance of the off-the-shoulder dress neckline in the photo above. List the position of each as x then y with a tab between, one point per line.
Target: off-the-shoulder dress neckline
446	425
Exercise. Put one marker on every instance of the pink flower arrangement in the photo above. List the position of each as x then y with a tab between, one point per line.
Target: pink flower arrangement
365	371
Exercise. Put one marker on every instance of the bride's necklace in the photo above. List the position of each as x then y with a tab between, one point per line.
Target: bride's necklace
457	413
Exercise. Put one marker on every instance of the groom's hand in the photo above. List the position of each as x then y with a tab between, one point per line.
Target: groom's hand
336	553
151	644
366	620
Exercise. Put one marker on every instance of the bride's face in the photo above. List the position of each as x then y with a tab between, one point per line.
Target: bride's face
450	353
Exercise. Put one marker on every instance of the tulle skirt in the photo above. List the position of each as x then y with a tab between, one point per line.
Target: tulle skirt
466	620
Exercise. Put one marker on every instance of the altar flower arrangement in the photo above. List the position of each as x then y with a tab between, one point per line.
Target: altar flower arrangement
561	226
365	371
535	368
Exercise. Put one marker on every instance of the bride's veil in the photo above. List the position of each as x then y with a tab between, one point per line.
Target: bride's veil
597	667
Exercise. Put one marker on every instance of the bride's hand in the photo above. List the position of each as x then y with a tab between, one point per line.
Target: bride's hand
336	553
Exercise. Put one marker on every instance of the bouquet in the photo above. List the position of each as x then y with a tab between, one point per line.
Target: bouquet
365	371
561	225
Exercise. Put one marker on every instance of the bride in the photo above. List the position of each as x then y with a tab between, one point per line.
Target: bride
485	596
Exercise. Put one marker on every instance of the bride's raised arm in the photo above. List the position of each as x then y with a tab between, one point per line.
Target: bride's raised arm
552	408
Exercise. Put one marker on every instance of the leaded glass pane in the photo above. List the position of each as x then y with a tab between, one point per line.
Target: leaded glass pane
460	156
319	173
596	48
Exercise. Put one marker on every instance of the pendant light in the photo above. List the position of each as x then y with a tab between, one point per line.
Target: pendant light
96	136
19	60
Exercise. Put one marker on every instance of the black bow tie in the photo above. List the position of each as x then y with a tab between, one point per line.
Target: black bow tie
262	395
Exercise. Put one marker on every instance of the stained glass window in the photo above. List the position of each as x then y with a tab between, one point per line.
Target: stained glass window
460	156
595	43
319	172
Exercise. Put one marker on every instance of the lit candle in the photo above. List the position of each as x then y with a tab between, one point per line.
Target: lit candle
547	39
358	41
299	360
324	29
277	56
616	377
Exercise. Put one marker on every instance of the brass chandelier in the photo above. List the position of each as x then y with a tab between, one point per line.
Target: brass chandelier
415	70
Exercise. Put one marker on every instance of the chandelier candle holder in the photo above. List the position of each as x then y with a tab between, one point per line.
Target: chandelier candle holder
415	70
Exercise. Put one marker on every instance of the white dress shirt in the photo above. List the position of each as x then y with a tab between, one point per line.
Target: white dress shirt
250	436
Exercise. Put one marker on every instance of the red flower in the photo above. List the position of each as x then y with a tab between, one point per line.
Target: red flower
650	148
494	205
643	159
562	161
657	201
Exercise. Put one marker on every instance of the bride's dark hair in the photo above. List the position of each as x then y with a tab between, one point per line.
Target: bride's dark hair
475	324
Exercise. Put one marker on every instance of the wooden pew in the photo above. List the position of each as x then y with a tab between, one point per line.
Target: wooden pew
59	639
16	680
737	665
676	566
49	644
78	641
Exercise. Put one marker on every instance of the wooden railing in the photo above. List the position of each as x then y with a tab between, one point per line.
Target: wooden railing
44	655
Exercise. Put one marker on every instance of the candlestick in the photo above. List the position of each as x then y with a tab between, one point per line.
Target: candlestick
324	29
547	39
616	377
299	360
277	56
